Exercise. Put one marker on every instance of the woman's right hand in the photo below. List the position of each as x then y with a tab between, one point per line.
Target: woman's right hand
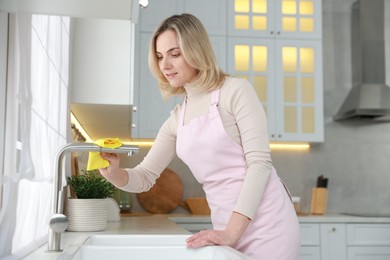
113	173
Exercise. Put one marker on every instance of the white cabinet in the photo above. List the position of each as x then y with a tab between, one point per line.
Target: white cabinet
369	253
310	242
326	241
149	110
333	241
368	241
101	61
323	241
284	67
340	241
287	77
309	253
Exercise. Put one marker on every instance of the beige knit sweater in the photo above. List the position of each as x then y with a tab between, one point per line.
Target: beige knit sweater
245	122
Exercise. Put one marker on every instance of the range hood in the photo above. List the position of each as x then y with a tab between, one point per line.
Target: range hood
369	96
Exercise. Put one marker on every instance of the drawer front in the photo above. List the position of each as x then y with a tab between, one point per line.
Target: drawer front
309	253
369	253
368	234
310	234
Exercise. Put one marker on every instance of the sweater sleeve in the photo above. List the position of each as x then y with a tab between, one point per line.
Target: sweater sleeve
144	176
252	126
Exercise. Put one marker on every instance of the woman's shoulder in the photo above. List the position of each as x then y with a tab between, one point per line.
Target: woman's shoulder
235	85
236	80
171	123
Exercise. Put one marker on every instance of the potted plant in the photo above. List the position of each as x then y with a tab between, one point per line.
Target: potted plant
87	209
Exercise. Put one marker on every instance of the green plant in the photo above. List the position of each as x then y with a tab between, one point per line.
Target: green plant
90	185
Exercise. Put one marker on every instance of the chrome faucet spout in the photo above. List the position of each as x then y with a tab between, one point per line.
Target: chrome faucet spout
54	242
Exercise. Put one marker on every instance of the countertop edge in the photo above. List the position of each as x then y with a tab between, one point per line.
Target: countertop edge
169	224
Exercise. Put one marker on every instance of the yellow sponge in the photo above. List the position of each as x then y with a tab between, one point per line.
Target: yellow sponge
95	161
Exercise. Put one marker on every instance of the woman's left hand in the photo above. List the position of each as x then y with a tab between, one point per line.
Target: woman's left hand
211	237
227	237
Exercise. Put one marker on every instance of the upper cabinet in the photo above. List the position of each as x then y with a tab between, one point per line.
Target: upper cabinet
101	61
276	45
287	77
275	18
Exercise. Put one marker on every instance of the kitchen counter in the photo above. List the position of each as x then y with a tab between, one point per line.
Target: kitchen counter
342	218
329	218
165	224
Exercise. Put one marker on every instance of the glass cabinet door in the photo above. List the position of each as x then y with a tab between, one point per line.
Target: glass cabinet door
251	18
298	18
286	76
253	59
299	92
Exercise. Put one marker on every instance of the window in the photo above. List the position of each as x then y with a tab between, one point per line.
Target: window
36	126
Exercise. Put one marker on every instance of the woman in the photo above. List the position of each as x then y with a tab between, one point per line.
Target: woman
220	132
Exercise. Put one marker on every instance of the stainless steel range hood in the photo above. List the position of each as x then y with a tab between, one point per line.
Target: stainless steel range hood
370	93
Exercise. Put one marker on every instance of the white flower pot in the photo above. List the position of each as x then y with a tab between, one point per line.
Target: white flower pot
87	214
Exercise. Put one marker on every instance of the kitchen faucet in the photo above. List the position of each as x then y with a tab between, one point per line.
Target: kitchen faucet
59	222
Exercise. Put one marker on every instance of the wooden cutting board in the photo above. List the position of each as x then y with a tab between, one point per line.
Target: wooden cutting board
165	196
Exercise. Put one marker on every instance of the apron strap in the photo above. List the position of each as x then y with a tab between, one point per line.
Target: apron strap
183	110
213	106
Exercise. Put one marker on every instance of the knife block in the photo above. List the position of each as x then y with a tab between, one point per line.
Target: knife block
319	201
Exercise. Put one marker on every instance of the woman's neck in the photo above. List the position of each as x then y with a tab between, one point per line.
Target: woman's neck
193	91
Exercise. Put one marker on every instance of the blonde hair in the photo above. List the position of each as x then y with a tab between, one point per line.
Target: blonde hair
196	49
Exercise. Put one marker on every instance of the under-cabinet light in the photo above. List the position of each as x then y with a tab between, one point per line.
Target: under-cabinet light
290	146
74	121
274	146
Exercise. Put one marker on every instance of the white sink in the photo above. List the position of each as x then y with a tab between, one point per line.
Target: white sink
142	247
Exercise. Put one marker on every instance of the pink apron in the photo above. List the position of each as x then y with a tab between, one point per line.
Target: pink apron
218	163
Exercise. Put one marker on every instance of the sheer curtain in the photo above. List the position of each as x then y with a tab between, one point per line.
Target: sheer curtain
36	127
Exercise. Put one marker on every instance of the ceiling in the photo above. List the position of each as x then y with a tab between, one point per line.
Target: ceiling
104	121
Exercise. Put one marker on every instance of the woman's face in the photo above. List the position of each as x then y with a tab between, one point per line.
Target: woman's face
171	61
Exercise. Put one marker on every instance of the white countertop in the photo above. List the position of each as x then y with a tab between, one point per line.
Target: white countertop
164	224
329	218
341	218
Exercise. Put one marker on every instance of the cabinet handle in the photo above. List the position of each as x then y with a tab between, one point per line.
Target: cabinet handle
279	135
271	32
272	135
278	33
333	229
135	109
133	125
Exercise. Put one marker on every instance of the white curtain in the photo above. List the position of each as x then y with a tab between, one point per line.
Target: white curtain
36	127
